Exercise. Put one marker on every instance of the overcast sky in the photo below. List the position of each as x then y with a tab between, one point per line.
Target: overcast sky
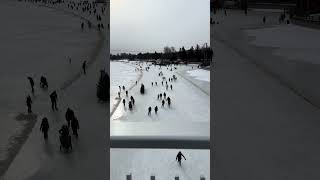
149	25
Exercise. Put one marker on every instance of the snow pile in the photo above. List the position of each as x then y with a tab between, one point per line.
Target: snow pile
200	74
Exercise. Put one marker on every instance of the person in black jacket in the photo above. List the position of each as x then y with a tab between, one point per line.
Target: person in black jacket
75	126
44	127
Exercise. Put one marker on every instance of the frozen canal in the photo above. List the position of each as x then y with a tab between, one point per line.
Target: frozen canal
188	116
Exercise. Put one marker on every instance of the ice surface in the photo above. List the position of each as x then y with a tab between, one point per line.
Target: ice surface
189	114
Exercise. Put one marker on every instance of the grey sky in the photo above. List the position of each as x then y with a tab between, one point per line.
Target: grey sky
149	25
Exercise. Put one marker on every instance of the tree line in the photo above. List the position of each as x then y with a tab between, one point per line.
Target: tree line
193	54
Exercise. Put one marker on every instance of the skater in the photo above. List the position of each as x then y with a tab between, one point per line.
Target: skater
264	19
156	84
120	88
43	82
119	94
136	82
151	83
142	89
132	100
84	66
169	101
130	105
44	127
123	87
82	25
160	95
54	98
75	126
64	131
179	157
149	111
124	102
167	87
69	116
164	95
163	103
31	83
162	83
156	109
127	93
171	86
29	103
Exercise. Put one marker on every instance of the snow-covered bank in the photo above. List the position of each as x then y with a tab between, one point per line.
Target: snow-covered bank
200	74
121	74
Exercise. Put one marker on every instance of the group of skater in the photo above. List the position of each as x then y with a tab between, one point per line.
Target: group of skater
162	97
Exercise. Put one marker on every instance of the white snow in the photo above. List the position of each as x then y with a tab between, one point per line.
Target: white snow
200	74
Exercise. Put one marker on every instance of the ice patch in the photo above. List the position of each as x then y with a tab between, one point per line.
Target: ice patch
200	74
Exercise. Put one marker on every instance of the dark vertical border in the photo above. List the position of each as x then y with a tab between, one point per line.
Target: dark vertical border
108	109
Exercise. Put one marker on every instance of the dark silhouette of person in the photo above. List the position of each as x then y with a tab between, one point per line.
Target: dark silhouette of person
163	103
124	102
84	66
29	103
75	126
123	87
54	98
169	101
160	95
136	82
69	116
171	86
69	60
164	95
64	131
82	26
166	82
162	83
43	82
31	83
120	88
167	86
132	100
264	19
149	111
44	127
169	79
152	83
130	105
156	84
179	157
119	94
156	109
126	93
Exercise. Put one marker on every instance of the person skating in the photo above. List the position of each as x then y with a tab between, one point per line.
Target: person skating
136	82
43	82
151	83
126	93
69	116
75	126
124	102
156	109
179	157
264	19
54	98
130	105
29	103
156	84
149	111
84	66
171	86
132	100
164	95
160	95
82	26
119	94
64	131
44	127
162	83
123	87
167	87
31	84
169	101
163	103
